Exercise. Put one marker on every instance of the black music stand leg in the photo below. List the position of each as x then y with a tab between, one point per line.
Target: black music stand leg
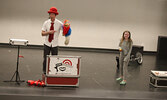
16	72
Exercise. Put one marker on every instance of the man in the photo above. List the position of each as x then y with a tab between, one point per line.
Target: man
51	29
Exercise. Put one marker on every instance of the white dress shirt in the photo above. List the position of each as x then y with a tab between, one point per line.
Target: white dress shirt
57	27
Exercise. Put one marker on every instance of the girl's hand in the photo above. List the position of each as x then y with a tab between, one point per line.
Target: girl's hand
126	59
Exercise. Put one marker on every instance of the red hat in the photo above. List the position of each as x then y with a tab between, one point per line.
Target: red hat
53	10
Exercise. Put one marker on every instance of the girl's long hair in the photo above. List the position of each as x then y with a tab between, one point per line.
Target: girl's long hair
123	38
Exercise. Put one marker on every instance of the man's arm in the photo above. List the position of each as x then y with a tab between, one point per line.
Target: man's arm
44	33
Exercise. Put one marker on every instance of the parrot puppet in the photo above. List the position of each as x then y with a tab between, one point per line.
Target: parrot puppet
66	31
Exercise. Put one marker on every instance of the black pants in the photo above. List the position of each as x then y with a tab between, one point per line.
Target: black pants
47	51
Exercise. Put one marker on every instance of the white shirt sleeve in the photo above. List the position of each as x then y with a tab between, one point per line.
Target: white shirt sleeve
44	26
61	24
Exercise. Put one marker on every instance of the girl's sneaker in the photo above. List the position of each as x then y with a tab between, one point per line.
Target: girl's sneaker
123	82
119	79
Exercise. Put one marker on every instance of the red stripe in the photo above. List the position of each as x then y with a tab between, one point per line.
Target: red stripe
62	80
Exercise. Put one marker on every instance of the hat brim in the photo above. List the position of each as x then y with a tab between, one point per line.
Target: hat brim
53	12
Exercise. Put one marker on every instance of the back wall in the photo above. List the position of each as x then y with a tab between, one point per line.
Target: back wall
94	23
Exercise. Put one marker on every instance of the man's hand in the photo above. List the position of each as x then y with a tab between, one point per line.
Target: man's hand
43	33
51	32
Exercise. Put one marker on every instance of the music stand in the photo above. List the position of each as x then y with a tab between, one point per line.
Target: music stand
17	42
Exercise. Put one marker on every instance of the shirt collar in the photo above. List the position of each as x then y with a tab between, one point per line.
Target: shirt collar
51	21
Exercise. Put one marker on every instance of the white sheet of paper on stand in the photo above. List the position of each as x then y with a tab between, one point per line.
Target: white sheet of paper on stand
18	42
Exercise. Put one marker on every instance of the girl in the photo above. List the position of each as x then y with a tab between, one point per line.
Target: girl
125	46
